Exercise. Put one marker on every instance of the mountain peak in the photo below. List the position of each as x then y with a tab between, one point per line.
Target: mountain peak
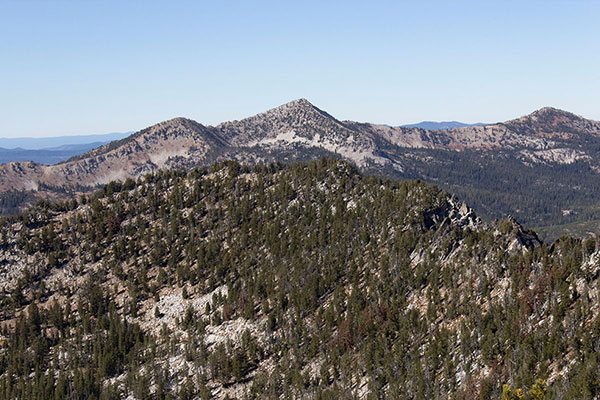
552	112
173	126
553	122
302	102
296	113
177	121
300	125
546	115
548	109
298	105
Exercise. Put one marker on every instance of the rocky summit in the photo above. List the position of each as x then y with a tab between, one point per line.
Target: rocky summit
541	168
306	280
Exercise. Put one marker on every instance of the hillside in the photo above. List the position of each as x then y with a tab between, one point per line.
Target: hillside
541	168
301	281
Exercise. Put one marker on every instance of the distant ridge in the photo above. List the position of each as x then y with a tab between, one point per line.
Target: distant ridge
47	156
32	143
438	126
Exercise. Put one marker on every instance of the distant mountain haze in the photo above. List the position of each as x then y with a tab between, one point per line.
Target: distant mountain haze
47	156
33	143
436	126
52	150
542	168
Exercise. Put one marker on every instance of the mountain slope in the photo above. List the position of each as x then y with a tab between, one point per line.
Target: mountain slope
300	281
168	144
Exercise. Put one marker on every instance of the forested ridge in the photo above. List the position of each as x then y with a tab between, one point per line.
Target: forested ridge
307	280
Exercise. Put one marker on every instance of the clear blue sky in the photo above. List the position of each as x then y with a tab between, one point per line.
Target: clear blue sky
79	67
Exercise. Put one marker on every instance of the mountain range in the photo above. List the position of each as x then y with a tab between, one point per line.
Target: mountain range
542	168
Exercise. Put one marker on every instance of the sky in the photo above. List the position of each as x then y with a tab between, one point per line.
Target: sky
83	67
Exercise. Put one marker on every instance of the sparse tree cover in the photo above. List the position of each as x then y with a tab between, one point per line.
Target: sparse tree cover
300	281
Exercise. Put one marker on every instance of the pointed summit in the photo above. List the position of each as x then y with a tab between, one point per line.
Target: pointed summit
300	105
301	102
298	116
